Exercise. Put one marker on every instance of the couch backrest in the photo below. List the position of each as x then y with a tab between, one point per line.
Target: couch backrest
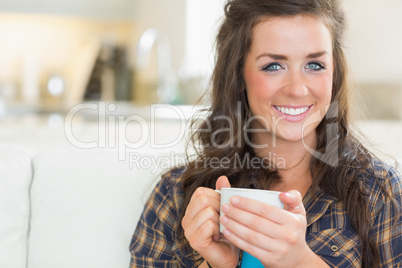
398	165
85	206
15	180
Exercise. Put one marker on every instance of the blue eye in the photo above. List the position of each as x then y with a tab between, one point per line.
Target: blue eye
315	66
272	67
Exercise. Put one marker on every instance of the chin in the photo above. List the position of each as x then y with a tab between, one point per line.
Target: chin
293	135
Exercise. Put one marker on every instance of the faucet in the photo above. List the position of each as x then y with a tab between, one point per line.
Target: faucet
145	44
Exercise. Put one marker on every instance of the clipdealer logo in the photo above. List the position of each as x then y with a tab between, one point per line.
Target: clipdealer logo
113	131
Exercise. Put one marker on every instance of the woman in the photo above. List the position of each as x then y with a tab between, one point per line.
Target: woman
279	120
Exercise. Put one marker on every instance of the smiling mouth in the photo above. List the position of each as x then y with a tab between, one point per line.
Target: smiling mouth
292	111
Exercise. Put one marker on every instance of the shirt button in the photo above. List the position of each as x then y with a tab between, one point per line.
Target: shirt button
334	248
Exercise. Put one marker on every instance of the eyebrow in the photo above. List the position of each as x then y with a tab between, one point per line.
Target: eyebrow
283	57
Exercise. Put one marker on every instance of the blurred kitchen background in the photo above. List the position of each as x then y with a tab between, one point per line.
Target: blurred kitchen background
55	54
58	53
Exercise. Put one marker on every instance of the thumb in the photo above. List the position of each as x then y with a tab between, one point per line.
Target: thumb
293	202
222	181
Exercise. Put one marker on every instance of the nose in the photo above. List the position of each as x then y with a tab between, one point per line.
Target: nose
296	85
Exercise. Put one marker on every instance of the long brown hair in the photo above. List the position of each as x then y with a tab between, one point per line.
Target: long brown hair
340	157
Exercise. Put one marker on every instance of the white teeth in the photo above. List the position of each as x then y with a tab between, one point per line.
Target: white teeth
291	111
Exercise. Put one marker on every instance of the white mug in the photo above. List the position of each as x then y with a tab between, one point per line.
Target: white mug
265	196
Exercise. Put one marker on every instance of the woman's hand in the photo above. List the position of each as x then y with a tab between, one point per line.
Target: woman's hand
201	227
274	236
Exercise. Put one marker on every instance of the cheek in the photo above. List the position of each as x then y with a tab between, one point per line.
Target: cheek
324	89
259	87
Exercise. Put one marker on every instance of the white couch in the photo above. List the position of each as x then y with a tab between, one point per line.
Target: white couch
72	208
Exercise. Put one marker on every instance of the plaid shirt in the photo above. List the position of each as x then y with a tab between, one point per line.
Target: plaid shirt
329	231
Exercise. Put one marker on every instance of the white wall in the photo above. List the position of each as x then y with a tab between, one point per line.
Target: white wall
166	16
202	21
375	40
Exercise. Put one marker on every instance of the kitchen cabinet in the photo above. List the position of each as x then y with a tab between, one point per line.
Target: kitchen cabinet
97	9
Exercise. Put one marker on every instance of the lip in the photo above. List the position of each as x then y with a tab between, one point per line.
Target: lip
293	118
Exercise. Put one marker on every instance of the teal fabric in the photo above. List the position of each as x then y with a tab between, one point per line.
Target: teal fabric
249	261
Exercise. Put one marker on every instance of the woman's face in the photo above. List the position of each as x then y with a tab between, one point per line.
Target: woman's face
288	74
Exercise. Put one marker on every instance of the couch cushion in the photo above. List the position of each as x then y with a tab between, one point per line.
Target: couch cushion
85	206
398	165
15	179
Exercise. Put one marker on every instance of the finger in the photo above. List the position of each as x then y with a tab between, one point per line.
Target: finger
205	215
199	204
252	221
207	233
222	181
202	198
255	250
293	201
272	213
248	235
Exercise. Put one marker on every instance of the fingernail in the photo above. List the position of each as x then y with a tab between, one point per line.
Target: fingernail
288	194
225	208
224	220
226	232
235	200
